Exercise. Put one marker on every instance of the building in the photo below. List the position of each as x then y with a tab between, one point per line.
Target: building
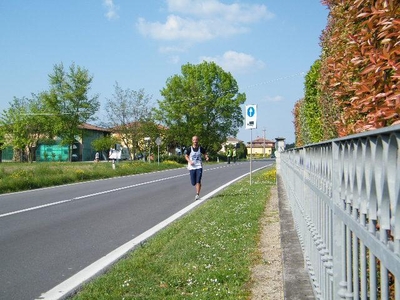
82	149
260	147
230	142
53	150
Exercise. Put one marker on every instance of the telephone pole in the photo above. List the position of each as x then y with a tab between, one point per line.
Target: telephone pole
264	142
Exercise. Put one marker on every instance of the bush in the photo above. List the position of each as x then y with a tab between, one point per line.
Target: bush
180	159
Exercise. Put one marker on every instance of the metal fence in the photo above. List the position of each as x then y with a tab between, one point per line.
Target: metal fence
345	200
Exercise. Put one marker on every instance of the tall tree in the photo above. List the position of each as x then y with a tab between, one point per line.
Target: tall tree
69	101
298	122
360	65
127	112
203	101
311	112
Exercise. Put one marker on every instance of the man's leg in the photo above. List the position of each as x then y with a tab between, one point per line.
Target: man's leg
198	188
199	173
192	174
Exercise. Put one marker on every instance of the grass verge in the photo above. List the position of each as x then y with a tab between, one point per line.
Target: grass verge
207	254
16	177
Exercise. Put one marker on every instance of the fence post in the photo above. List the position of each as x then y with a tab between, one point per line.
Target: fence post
339	249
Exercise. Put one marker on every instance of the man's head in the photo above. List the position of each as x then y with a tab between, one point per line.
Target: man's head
195	141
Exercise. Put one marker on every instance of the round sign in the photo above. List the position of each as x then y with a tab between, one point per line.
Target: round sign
158	141
251	111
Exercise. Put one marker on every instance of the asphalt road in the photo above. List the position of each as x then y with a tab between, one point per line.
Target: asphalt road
49	235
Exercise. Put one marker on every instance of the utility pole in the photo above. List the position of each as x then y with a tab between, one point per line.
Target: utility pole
264	142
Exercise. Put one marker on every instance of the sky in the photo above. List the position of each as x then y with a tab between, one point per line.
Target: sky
267	45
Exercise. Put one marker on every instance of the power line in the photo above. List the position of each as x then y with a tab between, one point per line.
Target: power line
250	86
45	114
275	80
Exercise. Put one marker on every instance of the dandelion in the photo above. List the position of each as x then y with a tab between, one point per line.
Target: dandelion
126	283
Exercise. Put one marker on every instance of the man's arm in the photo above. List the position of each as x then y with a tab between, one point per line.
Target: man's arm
205	153
187	157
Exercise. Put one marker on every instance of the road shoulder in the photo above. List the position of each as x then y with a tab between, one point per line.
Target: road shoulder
296	280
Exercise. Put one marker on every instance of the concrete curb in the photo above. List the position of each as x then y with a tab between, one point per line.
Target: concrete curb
296	281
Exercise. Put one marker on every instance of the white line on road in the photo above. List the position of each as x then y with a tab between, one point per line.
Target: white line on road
90	195
87	196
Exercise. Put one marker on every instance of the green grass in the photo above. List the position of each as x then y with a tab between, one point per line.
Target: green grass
16	177
207	254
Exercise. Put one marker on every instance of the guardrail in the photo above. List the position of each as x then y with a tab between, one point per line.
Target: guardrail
345	199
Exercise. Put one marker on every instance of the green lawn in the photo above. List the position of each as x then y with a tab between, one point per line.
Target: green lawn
16	177
207	254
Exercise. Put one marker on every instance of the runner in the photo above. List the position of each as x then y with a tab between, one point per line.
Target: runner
193	156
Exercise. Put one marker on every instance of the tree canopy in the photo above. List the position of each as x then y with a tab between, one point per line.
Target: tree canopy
360	65
204	101
354	87
129	114
69	102
308	116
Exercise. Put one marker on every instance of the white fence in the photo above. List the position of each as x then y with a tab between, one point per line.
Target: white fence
345	200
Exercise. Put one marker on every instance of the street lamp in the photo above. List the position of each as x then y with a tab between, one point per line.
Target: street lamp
148	139
158	142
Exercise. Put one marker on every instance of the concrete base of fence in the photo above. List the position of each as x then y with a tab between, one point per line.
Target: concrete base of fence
297	284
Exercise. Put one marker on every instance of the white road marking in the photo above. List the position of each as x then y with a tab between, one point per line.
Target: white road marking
87	196
91	195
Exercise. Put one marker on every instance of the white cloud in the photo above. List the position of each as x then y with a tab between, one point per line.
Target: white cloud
172	49
237	12
177	28
174	59
194	21
111	9
274	98
236	62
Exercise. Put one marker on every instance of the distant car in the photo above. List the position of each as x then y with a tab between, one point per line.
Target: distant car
74	157
272	155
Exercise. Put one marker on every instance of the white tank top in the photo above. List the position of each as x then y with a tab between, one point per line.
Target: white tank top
195	157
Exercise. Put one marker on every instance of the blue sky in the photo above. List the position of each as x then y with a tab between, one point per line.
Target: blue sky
268	46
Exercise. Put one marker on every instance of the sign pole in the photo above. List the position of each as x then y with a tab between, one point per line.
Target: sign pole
251	123
251	151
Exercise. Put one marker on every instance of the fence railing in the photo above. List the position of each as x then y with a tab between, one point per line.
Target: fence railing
345	199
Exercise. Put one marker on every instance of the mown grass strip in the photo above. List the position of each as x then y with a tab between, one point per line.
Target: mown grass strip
207	254
16	177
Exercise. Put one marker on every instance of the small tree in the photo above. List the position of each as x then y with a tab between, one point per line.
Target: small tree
69	101
127	112
23	124
104	144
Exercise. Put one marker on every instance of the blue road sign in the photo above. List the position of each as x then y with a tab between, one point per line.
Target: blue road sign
251	111
251	116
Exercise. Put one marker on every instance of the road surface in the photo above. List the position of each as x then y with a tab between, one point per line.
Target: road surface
49	235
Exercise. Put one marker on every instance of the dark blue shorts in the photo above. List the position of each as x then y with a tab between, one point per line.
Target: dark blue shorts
195	176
